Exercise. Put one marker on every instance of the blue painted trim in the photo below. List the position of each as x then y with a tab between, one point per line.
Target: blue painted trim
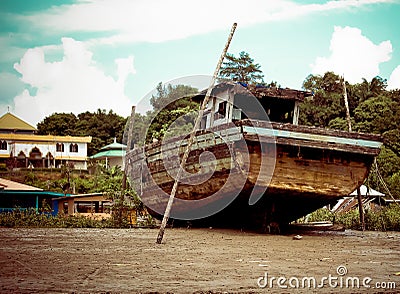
311	137
30	193
7	209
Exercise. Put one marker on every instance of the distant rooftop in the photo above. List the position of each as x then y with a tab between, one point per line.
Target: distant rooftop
14	186
114	146
111	150
11	122
367	191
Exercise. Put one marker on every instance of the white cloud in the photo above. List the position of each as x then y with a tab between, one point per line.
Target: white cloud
353	55
158	20
394	80
74	84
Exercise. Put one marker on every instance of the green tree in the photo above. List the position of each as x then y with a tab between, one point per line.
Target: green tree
392	140
100	125
139	130
171	104
58	124
241	69
376	115
327	102
388	164
365	90
394	184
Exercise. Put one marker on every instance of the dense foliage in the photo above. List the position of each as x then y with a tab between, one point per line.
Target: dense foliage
173	112
101	179
171	106
100	125
32	218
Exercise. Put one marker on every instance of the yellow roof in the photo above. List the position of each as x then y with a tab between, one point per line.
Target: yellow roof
11	122
45	138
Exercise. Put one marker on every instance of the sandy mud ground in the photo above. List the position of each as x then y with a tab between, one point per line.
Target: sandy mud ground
195	260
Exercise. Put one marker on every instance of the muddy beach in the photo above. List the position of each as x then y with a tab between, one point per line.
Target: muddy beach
196	260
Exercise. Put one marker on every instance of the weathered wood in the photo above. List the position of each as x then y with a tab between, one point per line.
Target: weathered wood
323	177
260	92
128	146
309	130
318	173
360	208
313	144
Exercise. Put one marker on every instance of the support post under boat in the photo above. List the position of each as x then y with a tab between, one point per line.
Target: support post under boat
361	209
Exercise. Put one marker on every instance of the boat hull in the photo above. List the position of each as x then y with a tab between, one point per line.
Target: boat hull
284	171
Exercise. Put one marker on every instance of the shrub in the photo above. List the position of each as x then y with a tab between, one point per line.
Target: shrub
31	218
385	219
322	214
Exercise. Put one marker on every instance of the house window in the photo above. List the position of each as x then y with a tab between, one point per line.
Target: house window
60	147
221	112
3	145
73	147
222	108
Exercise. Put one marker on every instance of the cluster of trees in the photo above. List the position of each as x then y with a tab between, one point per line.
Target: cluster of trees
100	125
173	113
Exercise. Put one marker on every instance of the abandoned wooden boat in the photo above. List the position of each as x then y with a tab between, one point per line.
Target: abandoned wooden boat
251	163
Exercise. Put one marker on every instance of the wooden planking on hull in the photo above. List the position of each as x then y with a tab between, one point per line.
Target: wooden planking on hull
306	172
333	175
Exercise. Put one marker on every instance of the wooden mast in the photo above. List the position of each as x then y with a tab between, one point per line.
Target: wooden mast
346	103
191	138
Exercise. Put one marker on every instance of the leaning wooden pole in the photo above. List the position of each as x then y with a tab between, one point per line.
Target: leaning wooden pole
128	145
191	139
346	103
359	198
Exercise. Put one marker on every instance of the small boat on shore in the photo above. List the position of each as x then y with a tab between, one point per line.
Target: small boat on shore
251	164
317	226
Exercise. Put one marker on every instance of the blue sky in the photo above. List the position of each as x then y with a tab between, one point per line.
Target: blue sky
74	56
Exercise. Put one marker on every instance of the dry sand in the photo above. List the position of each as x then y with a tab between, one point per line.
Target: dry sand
190	260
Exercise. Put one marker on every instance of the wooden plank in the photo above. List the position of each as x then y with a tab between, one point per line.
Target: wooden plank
306	136
309	130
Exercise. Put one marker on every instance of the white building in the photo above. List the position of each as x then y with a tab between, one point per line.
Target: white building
21	147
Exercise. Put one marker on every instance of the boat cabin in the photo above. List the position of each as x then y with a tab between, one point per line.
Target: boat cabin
230	102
